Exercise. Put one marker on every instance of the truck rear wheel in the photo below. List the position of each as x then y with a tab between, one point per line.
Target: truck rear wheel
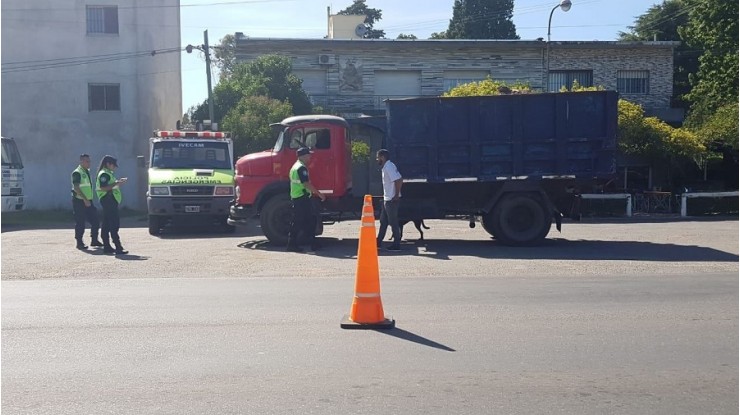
275	219
488	225
155	225
520	220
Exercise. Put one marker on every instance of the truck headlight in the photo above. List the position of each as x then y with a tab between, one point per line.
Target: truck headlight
159	190
224	191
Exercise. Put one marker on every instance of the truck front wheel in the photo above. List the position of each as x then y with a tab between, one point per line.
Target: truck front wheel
519	220
155	225
275	218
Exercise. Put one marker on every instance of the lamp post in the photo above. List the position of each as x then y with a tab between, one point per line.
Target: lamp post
564	6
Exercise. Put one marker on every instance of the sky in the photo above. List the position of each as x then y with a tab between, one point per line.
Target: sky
306	19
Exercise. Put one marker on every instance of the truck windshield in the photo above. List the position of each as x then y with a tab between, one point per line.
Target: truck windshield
191	155
11	156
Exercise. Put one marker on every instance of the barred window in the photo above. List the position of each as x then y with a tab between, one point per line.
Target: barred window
104	97
102	19
559	79
633	82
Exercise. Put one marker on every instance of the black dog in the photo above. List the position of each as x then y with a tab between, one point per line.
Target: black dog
418	223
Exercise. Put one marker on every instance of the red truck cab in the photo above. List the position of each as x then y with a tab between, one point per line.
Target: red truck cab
262	178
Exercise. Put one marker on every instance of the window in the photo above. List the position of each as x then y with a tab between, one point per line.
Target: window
318	139
559	79
104	97
187	155
633	82
102	19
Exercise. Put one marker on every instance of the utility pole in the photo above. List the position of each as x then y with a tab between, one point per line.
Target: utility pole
207	51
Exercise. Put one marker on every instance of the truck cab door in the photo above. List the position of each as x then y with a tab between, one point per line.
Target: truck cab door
321	168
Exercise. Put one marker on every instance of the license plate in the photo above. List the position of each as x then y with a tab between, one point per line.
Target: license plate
192	209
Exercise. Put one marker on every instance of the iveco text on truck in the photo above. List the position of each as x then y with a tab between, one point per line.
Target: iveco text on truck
191	178
516	163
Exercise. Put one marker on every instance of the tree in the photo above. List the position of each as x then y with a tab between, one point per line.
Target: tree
224	56
652	138
482	19
405	36
250	123
661	22
268	76
713	28
371	17
438	35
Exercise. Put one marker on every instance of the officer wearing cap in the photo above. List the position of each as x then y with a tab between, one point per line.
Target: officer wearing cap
304	221
82	203
109	194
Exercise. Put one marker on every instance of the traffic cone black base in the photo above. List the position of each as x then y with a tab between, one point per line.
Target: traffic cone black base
348	324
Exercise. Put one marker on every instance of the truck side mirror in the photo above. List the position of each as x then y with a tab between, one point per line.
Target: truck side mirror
141	162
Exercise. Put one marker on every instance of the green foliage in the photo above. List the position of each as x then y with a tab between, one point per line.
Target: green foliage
713	28
250	122
360	151
224	56
405	36
482	19
371	17
577	87
652	138
488	86
268	76
721	128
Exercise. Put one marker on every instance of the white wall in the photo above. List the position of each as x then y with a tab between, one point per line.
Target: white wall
47	110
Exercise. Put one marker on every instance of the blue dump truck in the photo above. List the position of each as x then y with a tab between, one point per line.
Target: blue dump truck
514	163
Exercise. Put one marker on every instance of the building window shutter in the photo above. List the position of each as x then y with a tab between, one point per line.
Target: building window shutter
633	82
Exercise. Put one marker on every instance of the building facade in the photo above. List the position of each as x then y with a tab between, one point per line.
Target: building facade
87	77
355	76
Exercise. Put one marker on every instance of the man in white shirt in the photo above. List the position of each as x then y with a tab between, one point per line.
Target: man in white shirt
392	182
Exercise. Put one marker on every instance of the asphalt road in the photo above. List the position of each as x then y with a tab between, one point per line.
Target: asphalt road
633	318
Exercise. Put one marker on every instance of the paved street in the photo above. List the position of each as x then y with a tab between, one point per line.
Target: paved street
621	317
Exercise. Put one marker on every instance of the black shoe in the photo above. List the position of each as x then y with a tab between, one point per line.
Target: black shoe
95	242
294	249
121	251
81	246
108	249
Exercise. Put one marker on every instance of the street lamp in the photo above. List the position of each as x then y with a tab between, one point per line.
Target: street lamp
564	6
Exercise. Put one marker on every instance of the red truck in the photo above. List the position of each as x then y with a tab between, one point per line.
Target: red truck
516	163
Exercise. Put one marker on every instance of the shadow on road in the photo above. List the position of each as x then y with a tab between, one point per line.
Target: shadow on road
581	250
415	338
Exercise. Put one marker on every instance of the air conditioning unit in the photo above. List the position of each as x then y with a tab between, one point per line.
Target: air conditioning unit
325	59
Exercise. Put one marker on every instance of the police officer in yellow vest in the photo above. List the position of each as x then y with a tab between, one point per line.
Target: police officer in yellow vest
82	203
109	194
303	225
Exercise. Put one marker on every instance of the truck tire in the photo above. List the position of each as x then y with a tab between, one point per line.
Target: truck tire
488	223
227	228
155	225
520	220
275	218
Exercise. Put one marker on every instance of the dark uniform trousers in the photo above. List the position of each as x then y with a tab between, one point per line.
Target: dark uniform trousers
83	213
111	220
303	225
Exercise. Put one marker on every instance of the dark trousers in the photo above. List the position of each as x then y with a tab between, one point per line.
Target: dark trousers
389	216
303	225
111	221
82	214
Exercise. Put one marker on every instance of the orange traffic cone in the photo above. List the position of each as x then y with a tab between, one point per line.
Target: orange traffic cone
367	308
